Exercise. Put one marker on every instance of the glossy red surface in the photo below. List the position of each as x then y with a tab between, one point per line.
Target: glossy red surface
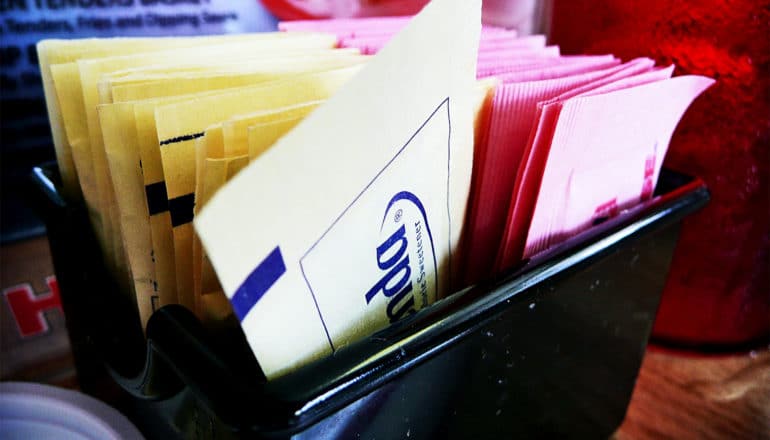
309	9
290	10
718	290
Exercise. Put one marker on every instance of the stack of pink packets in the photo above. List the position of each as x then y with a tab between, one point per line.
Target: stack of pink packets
568	140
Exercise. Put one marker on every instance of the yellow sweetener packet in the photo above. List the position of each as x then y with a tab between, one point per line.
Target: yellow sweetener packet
350	220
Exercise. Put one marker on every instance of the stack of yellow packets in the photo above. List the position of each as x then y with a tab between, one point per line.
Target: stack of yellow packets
146	130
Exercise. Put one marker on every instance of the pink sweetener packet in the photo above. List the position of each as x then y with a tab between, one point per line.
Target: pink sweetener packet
564	68
542	68
534	241
529	173
501	65
505	42
524	193
513	113
489	68
351	27
495	46
653	75
605	153
491	63
630	68
487	33
646	115
375	37
503	52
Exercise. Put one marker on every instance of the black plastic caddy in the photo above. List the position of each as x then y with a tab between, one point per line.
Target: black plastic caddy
550	350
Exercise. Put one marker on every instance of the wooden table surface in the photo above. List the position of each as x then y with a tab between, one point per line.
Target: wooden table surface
686	396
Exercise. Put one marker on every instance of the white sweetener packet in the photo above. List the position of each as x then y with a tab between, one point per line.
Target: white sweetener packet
350	221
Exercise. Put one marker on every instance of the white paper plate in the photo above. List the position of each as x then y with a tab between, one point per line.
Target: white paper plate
32	411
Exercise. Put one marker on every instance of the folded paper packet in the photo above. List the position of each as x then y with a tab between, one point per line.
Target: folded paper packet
262	135
524	67
513	113
372	43
121	149
367	26
247	61
210	301
235	130
535	153
374	242
595	153
651	129
541	68
499	50
217	77
489	42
